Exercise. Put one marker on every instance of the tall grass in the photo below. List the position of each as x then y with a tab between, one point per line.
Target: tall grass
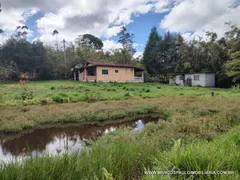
191	114
125	154
222	154
70	92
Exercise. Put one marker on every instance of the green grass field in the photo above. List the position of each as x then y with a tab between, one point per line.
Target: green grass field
199	132
50	92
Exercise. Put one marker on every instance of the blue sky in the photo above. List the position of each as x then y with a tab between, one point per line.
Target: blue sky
103	18
141	27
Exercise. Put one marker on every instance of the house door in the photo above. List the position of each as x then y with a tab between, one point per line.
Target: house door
189	82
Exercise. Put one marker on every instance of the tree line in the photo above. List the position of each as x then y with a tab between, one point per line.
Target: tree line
42	62
163	56
171	55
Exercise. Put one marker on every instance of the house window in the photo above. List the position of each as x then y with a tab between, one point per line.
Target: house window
116	71
196	77
105	71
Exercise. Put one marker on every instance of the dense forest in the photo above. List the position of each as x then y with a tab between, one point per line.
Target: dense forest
163	56
172	54
18	55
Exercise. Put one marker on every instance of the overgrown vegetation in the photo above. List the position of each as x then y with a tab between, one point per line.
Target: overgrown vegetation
189	113
51	92
165	55
126	155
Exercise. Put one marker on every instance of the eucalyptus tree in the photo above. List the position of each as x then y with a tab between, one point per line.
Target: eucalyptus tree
2	32
21	32
126	40
55	33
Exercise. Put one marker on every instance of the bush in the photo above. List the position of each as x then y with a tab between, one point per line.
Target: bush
147	90
223	81
26	94
127	94
60	99
92	97
44	102
63	94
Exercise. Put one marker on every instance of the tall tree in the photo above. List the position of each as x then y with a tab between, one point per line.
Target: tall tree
150	55
168	53
89	41
21	32
232	67
126	40
55	33
2	32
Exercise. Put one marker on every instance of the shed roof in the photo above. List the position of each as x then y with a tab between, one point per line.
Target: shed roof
180	74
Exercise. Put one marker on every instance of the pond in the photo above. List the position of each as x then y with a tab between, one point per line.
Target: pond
60	139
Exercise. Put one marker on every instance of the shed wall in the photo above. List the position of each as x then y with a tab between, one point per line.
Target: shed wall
210	80
200	82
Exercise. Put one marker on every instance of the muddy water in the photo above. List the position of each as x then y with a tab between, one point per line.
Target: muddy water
61	139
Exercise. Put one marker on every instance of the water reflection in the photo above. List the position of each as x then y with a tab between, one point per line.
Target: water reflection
139	125
62	139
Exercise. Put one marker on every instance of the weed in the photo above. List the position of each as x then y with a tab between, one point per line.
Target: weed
44	102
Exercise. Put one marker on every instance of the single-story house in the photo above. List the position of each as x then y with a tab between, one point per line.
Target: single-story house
194	79
107	72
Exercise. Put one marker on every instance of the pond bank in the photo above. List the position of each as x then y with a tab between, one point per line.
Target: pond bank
60	139
17	119
126	155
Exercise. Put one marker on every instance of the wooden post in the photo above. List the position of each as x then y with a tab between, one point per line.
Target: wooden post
85	74
74	76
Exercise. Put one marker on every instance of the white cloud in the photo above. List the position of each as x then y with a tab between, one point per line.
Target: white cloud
110	45
103	18
199	16
161	6
138	54
138	45
79	17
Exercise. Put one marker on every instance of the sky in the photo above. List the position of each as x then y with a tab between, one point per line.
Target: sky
104	18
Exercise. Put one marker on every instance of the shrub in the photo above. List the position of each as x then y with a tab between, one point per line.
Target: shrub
111	90
63	94
52	88
127	94
147	90
26	94
59	98
44	102
92	97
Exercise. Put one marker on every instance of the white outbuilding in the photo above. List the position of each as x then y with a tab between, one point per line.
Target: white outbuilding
195	79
